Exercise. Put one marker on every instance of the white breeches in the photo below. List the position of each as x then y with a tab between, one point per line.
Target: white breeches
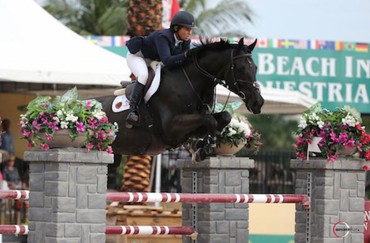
138	66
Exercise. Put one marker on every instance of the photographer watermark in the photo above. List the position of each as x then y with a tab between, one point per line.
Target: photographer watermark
342	229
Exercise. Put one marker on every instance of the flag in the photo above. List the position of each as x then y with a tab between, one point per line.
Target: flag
174	8
287	44
313	44
262	43
105	41
348	46
301	44
93	39
362	47
275	43
170	8
326	45
339	46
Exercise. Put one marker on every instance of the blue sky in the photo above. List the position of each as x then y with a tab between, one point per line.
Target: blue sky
338	20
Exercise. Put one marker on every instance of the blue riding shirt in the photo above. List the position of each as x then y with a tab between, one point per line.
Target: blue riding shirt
160	46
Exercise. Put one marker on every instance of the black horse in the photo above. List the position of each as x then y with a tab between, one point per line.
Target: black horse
182	106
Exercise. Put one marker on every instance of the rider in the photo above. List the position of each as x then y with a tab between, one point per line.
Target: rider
170	46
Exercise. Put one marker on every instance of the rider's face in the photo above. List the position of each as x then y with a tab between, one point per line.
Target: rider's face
184	33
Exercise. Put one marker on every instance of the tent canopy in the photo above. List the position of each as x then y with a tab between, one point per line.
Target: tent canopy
35	48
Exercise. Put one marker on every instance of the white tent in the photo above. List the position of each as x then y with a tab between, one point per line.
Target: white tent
35	47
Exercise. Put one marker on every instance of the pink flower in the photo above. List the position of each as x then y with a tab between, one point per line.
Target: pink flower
53	125
25	133
48	137
89	147
366	167
29	144
44	146
109	150
80	127
36	125
88	105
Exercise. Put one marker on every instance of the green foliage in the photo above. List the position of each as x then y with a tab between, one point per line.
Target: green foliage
227	19
91	17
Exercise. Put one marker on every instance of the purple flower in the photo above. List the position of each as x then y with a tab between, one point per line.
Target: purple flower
80	127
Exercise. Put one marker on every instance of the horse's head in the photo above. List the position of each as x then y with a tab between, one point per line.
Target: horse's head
232	66
241	78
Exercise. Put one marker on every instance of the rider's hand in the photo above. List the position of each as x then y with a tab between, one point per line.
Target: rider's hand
191	52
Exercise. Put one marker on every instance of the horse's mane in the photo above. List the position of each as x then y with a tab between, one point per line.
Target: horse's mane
210	44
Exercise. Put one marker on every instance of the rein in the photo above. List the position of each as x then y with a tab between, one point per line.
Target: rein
218	80
222	82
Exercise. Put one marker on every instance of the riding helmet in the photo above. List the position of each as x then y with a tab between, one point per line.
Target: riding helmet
183	18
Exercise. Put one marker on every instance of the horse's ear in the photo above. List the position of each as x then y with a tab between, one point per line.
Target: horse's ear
251	46
241	43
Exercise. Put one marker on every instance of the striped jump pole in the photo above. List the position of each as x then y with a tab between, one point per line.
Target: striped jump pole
149	230
114	230
208	198
13	229
14	194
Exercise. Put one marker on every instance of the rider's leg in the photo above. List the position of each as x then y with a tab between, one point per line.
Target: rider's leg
139	68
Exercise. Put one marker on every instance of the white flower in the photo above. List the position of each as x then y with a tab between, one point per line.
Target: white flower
55	118
99	114
320	124
63	125
71	117
349	120
231	132
59	113
302	122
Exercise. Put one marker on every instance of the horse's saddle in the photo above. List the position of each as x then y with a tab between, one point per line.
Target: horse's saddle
129	86
121	102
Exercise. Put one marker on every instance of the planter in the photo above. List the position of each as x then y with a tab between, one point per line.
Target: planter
61	139
225	149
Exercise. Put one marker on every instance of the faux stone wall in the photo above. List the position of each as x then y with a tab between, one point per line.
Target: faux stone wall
67	195
217	222
338	194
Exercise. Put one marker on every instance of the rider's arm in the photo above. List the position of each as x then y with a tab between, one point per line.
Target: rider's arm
164	52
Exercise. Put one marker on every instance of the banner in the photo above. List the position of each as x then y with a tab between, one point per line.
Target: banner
335	77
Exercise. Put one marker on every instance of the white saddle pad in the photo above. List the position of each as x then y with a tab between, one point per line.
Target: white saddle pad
121	103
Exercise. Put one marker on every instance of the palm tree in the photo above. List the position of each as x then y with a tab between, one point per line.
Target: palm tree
144	17
228	18
91	17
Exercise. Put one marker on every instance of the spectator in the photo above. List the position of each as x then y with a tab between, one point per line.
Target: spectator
7	141
11	174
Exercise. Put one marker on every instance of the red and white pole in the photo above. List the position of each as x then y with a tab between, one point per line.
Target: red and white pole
14	194
14	229
149	230
207	198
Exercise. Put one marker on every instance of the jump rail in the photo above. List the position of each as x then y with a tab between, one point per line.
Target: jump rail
185	197
207	198
115	230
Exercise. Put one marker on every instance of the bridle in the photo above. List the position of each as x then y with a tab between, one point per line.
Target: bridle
235	81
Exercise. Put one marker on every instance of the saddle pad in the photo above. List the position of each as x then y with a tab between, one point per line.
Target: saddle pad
120	103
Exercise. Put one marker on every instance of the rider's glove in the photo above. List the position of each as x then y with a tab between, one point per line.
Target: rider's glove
191	52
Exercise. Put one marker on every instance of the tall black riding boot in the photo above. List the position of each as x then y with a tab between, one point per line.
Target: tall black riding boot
133	117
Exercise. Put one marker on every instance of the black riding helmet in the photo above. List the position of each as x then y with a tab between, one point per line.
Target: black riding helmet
183	18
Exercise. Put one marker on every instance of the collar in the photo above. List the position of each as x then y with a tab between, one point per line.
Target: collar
177	41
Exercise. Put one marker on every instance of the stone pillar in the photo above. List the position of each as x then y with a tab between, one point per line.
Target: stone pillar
216	222
67	195
337	195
